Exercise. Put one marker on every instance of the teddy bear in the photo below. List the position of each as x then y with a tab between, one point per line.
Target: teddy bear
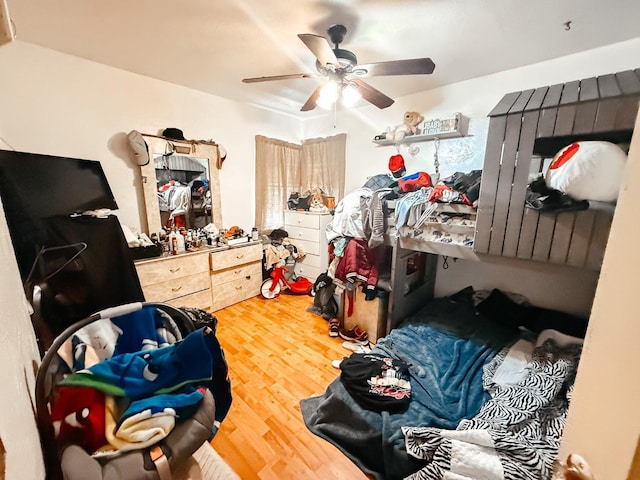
409	126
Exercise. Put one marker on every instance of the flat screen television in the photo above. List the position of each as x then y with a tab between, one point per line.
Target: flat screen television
46	186
82	263
35	187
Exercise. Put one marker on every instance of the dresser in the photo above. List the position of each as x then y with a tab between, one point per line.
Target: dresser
308	229
180	280
210	279
236	274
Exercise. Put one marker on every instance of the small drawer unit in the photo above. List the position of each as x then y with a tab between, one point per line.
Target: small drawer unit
309	231
235	275
180	280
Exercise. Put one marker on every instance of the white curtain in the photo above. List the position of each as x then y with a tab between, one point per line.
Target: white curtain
283	168
323	164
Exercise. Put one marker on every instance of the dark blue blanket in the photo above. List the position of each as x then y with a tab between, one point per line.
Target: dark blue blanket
446	344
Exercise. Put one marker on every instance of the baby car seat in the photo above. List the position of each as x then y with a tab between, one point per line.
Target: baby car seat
70	459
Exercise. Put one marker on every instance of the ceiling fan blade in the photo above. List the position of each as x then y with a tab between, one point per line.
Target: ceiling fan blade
415	66
278	77
310	104
372	95
320	48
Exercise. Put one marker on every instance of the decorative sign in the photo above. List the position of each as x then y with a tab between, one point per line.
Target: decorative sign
441	125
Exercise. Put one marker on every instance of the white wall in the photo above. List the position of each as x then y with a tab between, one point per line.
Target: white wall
61	105
19	358
566	289
604	419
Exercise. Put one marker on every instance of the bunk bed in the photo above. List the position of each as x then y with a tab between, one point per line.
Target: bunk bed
455	348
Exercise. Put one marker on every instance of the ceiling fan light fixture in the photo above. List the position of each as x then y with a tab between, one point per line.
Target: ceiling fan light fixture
350	95
328	95
344	75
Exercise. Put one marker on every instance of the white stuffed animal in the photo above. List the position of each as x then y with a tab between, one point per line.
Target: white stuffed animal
409	126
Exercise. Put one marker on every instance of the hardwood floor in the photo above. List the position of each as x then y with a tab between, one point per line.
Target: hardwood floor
278	354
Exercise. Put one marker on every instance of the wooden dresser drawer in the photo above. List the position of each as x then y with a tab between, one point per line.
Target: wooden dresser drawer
200	299
299	219
311	248
301	233
226	294
168	268
177	287
312	260
306	270
235	256
240	273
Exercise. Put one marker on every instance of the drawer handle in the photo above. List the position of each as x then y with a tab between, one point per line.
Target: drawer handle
174	270
237	271
248	277
240	256
176	289
239	287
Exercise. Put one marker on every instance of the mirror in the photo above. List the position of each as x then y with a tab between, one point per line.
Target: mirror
181	184
183	190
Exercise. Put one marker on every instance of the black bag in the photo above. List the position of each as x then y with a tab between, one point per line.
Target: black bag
324	303
201	318
299	202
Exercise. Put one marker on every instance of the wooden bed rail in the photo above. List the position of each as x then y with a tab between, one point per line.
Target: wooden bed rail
527	127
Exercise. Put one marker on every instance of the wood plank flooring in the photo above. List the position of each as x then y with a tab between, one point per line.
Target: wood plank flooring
278	354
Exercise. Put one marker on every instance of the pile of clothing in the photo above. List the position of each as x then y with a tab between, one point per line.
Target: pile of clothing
133	378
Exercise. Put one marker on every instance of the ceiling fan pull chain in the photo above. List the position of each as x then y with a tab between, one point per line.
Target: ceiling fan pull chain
335	113
436	162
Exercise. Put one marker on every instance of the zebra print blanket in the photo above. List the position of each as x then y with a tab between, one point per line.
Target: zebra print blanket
516	434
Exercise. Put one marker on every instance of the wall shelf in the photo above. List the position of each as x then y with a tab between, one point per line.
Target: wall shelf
419	138
436	129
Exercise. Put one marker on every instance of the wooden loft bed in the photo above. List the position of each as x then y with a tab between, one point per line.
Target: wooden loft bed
525	128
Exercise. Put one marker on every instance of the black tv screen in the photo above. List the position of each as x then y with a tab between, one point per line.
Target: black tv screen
80	263
46	186
35	187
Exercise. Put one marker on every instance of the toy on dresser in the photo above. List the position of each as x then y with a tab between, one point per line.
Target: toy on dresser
318	202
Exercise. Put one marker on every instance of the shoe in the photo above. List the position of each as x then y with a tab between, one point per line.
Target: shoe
357	348
336	363
356	334
333	327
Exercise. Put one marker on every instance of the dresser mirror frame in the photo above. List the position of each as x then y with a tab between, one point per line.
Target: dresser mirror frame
159	146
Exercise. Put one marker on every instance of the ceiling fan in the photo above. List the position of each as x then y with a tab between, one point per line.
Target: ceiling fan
343	73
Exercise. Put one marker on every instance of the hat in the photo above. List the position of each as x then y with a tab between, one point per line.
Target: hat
174	133
139	147
396	165
222	156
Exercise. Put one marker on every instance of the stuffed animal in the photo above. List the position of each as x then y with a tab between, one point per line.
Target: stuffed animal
574	468
409	126
318	202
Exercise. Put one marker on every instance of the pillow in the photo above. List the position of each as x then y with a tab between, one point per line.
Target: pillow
561	339
500	308
588	171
